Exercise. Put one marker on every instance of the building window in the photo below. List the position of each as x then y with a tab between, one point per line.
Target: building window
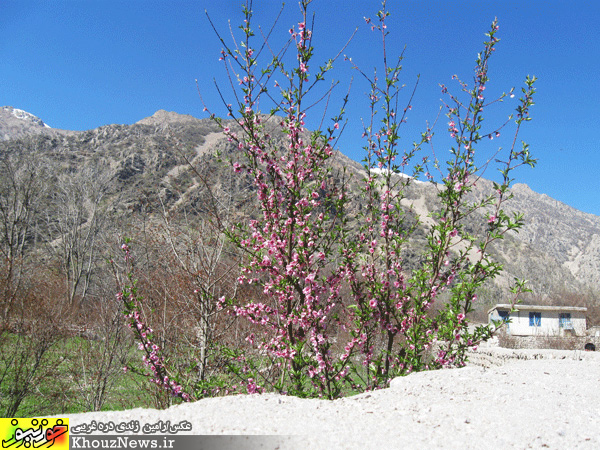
535	319
564	321
505	317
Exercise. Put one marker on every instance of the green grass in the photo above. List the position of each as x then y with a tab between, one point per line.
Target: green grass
54	390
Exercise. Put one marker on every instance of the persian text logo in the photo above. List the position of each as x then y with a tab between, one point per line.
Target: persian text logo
35	433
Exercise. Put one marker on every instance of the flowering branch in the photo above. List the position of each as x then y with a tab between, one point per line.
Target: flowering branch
152	357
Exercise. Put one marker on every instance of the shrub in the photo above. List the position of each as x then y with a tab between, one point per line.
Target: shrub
303	253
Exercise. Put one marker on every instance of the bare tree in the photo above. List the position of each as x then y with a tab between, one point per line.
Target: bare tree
199	250
75	220
31	322
22	188
195	233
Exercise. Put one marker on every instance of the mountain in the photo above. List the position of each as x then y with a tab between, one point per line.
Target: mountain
558	249
569	236
16	123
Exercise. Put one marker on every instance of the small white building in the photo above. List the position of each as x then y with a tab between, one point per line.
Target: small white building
536	320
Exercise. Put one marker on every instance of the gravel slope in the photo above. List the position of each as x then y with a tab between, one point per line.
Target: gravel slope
503	399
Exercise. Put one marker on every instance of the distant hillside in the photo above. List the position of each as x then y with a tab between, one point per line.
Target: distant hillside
558	249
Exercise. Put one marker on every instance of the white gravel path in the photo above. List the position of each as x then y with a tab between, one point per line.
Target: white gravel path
503	400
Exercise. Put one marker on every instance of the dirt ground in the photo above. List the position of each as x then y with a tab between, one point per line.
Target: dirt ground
503	399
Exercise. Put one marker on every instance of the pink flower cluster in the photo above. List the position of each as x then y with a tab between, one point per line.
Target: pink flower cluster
287	245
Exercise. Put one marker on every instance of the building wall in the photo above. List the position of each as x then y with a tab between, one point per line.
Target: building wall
551	342
549	324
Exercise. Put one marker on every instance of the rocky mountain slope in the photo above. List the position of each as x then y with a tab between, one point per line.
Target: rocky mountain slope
558	249
568	235
16	123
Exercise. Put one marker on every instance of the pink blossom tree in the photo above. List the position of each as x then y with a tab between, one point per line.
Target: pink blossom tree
341	309
302	257
396	328
291	245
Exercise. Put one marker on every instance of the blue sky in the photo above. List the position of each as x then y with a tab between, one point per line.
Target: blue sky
80	64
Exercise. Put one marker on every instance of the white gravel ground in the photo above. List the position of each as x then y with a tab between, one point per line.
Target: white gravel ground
503	399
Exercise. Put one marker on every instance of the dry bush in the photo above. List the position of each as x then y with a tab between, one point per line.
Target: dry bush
97	358
182	272
31	332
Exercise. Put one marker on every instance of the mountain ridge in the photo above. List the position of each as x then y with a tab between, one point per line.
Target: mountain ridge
17	123
558	247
